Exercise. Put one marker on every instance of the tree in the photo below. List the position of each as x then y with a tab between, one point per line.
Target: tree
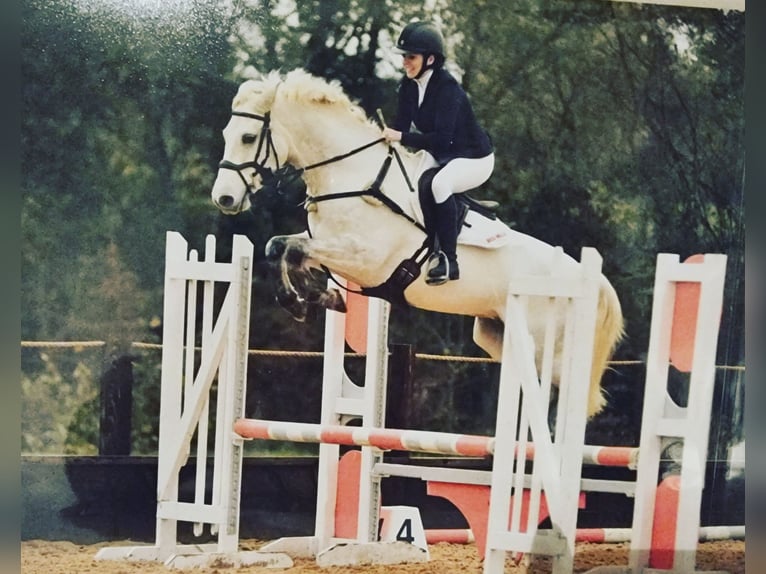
117	144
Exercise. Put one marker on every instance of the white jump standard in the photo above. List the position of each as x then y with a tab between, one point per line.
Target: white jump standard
186	403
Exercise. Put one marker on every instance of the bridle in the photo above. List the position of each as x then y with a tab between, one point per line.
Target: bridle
282	175
265	146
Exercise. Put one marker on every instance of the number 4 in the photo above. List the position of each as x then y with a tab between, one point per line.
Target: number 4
405	532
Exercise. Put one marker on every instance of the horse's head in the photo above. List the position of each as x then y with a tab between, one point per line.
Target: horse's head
310	119
252	151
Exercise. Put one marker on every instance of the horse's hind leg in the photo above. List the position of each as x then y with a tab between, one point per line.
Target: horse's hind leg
488	334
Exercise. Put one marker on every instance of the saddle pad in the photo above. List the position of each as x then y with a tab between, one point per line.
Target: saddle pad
481	231
477	230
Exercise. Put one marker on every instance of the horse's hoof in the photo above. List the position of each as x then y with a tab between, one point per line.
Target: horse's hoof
290	302
333	300
299	312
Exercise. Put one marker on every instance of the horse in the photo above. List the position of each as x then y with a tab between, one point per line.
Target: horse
362	223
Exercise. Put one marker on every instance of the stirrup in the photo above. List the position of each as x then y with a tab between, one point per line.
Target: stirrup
444	270
434	260
437	269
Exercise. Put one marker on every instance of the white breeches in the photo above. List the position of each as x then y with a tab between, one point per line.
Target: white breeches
461	174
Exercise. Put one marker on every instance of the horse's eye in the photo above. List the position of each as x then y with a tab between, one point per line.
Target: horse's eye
249	139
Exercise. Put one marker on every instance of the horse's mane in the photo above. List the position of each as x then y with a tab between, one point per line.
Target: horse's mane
296	86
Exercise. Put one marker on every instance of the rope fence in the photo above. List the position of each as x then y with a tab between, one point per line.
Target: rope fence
311	354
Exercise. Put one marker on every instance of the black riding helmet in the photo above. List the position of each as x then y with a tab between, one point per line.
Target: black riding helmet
422	38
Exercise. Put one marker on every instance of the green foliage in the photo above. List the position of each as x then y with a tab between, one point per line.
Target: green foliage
335	39
107	302
119	139
613	129
58	414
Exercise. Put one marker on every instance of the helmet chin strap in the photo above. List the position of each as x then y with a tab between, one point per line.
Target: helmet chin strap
426	65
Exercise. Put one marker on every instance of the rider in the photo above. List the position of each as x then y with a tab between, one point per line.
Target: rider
435	114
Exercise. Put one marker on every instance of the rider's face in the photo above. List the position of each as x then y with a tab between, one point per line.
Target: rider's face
412	64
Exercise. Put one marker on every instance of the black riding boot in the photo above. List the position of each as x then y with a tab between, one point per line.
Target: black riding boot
428	204
446	268
428	207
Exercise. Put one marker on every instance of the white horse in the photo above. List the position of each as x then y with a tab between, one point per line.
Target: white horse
302	126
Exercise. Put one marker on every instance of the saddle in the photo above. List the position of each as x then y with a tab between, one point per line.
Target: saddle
464	201
485	207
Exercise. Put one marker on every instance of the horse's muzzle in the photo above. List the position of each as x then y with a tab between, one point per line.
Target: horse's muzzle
230	205
225	202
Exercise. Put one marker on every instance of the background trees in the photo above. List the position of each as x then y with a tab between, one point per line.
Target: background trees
618	126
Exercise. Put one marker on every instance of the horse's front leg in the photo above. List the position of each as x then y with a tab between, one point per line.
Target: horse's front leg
301	290
346	255
289	299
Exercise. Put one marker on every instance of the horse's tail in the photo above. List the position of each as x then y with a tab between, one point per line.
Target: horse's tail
609	331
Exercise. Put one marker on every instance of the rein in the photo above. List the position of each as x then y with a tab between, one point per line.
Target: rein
342	156
268	175
374	189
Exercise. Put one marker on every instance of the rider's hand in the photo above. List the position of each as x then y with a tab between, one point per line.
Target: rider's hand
392	135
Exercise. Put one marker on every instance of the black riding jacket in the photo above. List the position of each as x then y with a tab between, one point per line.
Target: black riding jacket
445	124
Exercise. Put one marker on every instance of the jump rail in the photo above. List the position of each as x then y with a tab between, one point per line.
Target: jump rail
413	441
594	535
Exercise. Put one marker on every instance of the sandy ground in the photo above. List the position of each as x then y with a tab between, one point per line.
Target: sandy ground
45	557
